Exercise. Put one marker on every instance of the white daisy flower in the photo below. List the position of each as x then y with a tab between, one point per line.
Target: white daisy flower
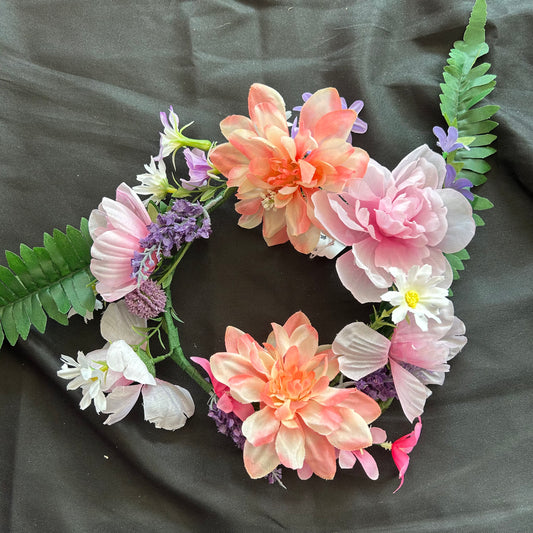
417	293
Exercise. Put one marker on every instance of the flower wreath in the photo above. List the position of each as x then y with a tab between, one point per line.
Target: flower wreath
400	237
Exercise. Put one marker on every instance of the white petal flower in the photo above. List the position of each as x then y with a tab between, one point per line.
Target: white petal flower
166	405
121	358
119	324
89	375
154	182
418	293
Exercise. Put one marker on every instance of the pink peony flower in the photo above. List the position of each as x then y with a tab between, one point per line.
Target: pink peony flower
277	174
417	358
116	227
301	419
397	219
401	449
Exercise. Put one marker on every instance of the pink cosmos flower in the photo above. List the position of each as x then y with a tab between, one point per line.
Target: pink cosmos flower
416	358
116	228
401	449
347	459
225	403
301	419
396	219
277	174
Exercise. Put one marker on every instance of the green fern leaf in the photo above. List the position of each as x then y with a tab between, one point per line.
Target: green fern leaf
46	282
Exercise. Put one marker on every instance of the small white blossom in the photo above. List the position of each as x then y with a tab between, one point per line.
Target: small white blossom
417	293
89	375
154	181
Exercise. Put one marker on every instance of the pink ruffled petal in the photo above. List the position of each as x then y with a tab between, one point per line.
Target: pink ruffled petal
461	225
361	350
120	402
368	463
320	455
353	432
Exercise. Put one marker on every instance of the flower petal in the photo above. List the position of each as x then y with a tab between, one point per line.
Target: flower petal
122	358
290	447
166	405
259	461
120	402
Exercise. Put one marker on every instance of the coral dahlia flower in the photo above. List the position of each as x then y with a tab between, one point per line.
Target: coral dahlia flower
116	228
277	174
300	417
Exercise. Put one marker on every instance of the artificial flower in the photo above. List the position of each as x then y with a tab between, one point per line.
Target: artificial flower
117	227
416	358
147	300
461	185
226	403
448	142
85	373
182	223
154	182
359	126
276	174
199	169
401	449
347	459
118	323
395	219
417	293
301	419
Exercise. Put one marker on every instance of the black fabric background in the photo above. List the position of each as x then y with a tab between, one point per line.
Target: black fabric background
81	87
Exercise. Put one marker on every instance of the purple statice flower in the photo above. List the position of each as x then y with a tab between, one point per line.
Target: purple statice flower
461	185
199	168
359	126
448	141
146	301
228	424
177	226
378	385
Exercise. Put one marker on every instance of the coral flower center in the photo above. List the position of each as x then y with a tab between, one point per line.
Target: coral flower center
412	298
283	173
292	384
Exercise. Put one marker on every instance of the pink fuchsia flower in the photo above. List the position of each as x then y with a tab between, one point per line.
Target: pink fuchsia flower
117	227
301	419
276	174
225	403
401	449
396	219
347	459
416	358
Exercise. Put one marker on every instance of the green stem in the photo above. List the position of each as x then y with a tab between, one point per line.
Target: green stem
203	144
176	353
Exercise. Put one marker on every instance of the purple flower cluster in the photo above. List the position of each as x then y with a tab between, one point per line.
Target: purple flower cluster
147	300
178	226
378	385
230	424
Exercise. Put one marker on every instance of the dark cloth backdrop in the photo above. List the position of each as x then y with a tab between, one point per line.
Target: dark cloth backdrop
81	88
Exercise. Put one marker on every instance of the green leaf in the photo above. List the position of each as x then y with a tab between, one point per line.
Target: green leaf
478	220
46	281
480	203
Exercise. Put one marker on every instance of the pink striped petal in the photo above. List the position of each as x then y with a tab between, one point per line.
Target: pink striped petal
412	393
361	350
290	447
261	427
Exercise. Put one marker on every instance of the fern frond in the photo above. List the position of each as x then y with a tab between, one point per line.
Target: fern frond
466	84
46	282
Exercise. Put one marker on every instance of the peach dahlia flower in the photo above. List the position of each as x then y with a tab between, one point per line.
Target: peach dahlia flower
301	419
276	174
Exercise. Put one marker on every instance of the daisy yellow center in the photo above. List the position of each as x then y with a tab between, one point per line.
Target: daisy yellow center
412	298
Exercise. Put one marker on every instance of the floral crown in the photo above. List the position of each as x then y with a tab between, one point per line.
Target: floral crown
399	238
